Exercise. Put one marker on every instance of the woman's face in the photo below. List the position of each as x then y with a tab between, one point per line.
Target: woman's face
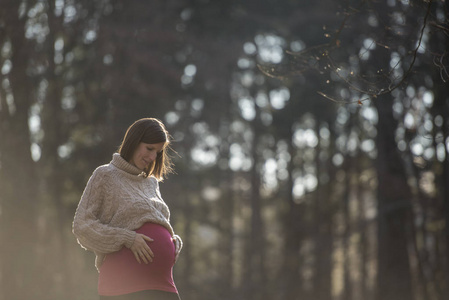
145	154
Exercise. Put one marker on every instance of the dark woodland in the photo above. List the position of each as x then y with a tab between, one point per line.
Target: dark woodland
310	141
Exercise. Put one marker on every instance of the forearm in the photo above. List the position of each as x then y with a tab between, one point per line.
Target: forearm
101	238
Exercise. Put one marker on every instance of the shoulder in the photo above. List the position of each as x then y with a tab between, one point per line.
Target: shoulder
102	170
153	180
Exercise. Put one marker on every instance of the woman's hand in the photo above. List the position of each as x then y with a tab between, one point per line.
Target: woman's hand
178	245
141	250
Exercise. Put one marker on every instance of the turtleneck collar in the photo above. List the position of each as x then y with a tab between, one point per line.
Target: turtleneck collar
125	166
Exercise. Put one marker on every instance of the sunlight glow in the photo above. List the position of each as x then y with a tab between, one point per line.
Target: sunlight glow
352	143
68	101
337	159
65	150
298	189
108	59
409	121
186	80
244	63
428	125
186	14
305	138
35	152
207	235
270	168
171	118
190	70
395	60
428	98
279	97
270	48
439	121
203	156
402	145
310	182
34	123
364	53
238	160
369	44
211	193
249	48
197	107
441	152
205	151
247	79
429	153
324	133
297	46
59	44
90	36
247	108
262	100
7	66
367	145
59	6
342	115
69	13
372	21
417	149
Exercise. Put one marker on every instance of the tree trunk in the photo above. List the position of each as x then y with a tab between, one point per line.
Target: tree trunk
347	289
227	206
17	176
290	284
324	235
445	192
440	41
53	175
394	208
254	253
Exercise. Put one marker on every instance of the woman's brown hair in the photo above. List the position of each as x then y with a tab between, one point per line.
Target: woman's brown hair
149	131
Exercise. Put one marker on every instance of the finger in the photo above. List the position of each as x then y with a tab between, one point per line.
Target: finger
143	257
137	257
148	258
150	253
147	238
148	250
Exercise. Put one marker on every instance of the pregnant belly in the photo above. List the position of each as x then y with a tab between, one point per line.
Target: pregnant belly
121	273
162	246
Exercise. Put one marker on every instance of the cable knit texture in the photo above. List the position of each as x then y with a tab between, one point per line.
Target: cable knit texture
117	200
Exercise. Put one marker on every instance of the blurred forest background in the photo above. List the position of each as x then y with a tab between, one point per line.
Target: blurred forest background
311	136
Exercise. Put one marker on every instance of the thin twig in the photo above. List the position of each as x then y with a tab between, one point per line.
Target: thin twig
392	85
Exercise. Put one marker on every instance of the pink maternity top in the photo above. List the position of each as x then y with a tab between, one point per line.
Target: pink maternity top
121	274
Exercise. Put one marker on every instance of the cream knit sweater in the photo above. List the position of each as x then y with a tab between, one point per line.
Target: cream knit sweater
116	201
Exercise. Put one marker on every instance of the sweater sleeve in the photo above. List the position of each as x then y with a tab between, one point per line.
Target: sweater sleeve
178	245
90	232
176	238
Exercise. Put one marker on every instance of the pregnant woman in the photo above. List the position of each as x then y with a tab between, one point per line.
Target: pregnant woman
122	218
